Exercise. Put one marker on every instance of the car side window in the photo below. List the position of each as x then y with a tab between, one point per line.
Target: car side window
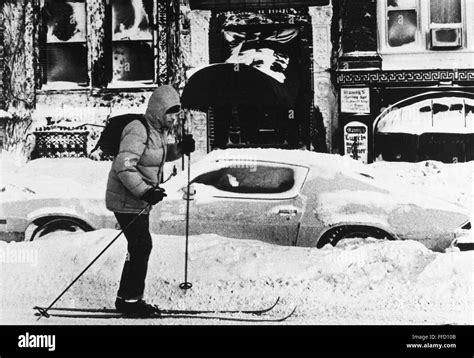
262	179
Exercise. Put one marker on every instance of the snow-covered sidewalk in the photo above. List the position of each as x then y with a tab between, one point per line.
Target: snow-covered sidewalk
359	282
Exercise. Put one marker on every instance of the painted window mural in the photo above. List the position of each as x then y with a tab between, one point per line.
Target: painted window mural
66	49
263	51
132	40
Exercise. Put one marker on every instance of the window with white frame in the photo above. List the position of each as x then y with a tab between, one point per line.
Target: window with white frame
66	48
422	25
445	23
129	44
402	22
132	41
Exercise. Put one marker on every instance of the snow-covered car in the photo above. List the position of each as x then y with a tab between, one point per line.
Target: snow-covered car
284	197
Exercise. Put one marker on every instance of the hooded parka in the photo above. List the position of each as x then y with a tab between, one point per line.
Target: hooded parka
139	163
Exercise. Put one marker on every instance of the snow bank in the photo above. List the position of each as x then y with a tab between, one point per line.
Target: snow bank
360	282
451	182
60	178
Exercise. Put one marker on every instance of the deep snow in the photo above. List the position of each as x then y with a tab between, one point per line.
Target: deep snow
360	282
357	282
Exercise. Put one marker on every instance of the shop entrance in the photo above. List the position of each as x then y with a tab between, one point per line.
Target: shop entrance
259	90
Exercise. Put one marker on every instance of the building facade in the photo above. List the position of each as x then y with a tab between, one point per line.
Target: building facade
404	78
71	65
373	79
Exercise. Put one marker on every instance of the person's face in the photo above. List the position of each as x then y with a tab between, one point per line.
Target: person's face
171	119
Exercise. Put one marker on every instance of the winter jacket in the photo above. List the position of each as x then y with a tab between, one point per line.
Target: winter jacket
139	163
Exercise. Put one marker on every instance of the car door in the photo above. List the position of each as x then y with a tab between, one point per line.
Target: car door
258	201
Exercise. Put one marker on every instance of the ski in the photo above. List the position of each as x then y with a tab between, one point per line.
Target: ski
111	315
165	311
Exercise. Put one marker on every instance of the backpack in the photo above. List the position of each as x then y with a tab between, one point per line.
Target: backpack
109	141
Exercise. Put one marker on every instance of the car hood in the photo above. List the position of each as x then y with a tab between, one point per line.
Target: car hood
408	215
360	198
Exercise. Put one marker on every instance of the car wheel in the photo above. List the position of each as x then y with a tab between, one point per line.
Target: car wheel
334	235
41	228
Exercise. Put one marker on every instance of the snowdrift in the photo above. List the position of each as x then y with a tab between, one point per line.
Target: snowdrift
360	282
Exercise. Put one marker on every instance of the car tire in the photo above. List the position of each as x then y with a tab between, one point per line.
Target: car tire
334	235
41	228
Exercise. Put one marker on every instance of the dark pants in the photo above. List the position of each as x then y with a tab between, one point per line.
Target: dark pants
132	282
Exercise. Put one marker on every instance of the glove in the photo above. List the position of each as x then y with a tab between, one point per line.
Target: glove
96	154
187	145
153	195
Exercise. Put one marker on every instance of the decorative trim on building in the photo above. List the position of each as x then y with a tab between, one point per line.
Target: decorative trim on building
225	5
175	65
99	74
2	61
162	48
264	17
397	78
323	92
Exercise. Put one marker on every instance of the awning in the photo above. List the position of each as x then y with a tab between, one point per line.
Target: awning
229	83
225	5
439	114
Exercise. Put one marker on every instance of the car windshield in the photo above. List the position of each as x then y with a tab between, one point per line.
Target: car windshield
260	179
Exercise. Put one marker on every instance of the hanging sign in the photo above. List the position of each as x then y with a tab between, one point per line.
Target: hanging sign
355	100
356	141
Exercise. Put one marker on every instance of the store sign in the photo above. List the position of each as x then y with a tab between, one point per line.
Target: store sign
355	100
356	141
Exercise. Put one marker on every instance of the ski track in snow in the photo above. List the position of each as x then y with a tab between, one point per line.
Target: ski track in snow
357	282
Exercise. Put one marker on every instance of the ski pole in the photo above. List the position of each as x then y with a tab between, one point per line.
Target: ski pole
187	285
44	311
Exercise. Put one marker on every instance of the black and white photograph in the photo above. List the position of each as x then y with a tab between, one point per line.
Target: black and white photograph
302	167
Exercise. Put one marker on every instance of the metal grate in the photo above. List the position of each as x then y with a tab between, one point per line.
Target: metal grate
60	142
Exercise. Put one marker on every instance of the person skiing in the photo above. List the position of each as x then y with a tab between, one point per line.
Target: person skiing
133	186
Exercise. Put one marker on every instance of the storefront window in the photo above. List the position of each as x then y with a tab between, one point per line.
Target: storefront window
437	128
402	22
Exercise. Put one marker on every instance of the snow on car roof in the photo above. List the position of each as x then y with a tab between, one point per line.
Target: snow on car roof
287	156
